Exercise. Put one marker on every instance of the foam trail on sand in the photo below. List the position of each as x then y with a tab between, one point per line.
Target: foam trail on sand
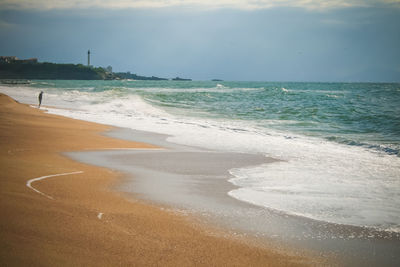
29	182
311	170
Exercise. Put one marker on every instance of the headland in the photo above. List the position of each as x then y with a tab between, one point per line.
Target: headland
13	69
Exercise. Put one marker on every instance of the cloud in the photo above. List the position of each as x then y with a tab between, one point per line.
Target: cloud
235	4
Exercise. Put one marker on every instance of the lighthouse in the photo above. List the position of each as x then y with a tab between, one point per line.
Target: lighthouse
88	58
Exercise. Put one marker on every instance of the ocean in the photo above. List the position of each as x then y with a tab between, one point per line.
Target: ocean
337	144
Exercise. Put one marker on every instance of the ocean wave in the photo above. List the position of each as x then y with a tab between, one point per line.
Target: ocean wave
216	89
319	178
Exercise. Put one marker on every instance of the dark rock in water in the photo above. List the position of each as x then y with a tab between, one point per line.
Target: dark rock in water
180	79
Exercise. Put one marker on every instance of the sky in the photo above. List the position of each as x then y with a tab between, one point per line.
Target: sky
247	40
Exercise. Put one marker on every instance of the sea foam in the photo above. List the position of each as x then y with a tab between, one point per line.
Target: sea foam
313	177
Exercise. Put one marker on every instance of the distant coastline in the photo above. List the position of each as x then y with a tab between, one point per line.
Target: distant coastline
12	68
128	75
51	71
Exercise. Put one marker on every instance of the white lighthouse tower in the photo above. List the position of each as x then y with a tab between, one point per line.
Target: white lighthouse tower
88	58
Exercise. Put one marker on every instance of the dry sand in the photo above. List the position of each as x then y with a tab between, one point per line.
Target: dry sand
66	230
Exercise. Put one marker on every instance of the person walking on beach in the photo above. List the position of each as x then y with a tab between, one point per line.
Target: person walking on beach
40	98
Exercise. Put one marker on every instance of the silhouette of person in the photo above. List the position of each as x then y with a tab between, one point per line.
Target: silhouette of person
40	98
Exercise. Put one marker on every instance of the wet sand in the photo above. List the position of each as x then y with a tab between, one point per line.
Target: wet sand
78	220
195	181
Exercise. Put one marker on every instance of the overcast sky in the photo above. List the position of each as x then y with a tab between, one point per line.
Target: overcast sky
276	40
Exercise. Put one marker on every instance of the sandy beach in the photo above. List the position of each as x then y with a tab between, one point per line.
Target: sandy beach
73	218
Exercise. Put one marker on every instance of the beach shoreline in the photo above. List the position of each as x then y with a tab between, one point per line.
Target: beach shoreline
84	222
187	179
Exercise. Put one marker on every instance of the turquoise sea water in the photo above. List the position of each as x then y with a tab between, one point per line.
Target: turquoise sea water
339	142
364	114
